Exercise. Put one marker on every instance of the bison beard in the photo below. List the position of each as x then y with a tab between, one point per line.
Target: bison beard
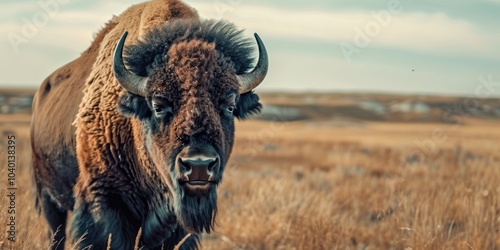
196	213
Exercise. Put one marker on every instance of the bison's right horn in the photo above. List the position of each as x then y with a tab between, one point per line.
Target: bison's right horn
131	82
251	80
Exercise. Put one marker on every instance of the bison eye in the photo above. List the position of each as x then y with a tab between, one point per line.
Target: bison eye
228	105
227	110
231	108
161	110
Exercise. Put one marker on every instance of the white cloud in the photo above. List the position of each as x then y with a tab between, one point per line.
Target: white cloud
68	27
431	32
11	9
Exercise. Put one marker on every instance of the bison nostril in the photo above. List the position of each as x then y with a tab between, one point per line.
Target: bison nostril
184	166
196	165
213	165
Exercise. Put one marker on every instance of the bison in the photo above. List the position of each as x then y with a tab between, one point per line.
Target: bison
139	142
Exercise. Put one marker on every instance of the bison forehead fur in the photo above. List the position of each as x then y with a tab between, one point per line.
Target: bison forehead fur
149	53
149	161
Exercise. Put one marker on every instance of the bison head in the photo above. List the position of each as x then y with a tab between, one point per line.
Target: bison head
186	82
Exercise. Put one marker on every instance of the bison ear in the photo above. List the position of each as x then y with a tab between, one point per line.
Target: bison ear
247	105
131	105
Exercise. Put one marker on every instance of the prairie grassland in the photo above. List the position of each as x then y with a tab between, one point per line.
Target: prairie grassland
316	184
368	189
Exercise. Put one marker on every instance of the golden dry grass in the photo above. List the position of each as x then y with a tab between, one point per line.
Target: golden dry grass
316	185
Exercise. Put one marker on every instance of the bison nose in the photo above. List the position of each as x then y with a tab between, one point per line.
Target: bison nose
199	168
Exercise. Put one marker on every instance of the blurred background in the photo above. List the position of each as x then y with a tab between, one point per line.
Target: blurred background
380	128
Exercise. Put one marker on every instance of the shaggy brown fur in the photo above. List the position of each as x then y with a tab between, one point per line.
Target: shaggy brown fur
55	106
128	173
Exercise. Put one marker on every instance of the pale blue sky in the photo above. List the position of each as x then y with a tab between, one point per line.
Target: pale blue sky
421	46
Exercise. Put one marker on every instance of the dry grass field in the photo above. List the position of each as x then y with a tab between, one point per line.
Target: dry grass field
330	183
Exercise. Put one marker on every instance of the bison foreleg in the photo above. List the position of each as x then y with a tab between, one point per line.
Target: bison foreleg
56	218
92	223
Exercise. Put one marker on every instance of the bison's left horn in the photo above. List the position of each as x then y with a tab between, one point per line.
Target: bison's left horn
131	82
251	80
